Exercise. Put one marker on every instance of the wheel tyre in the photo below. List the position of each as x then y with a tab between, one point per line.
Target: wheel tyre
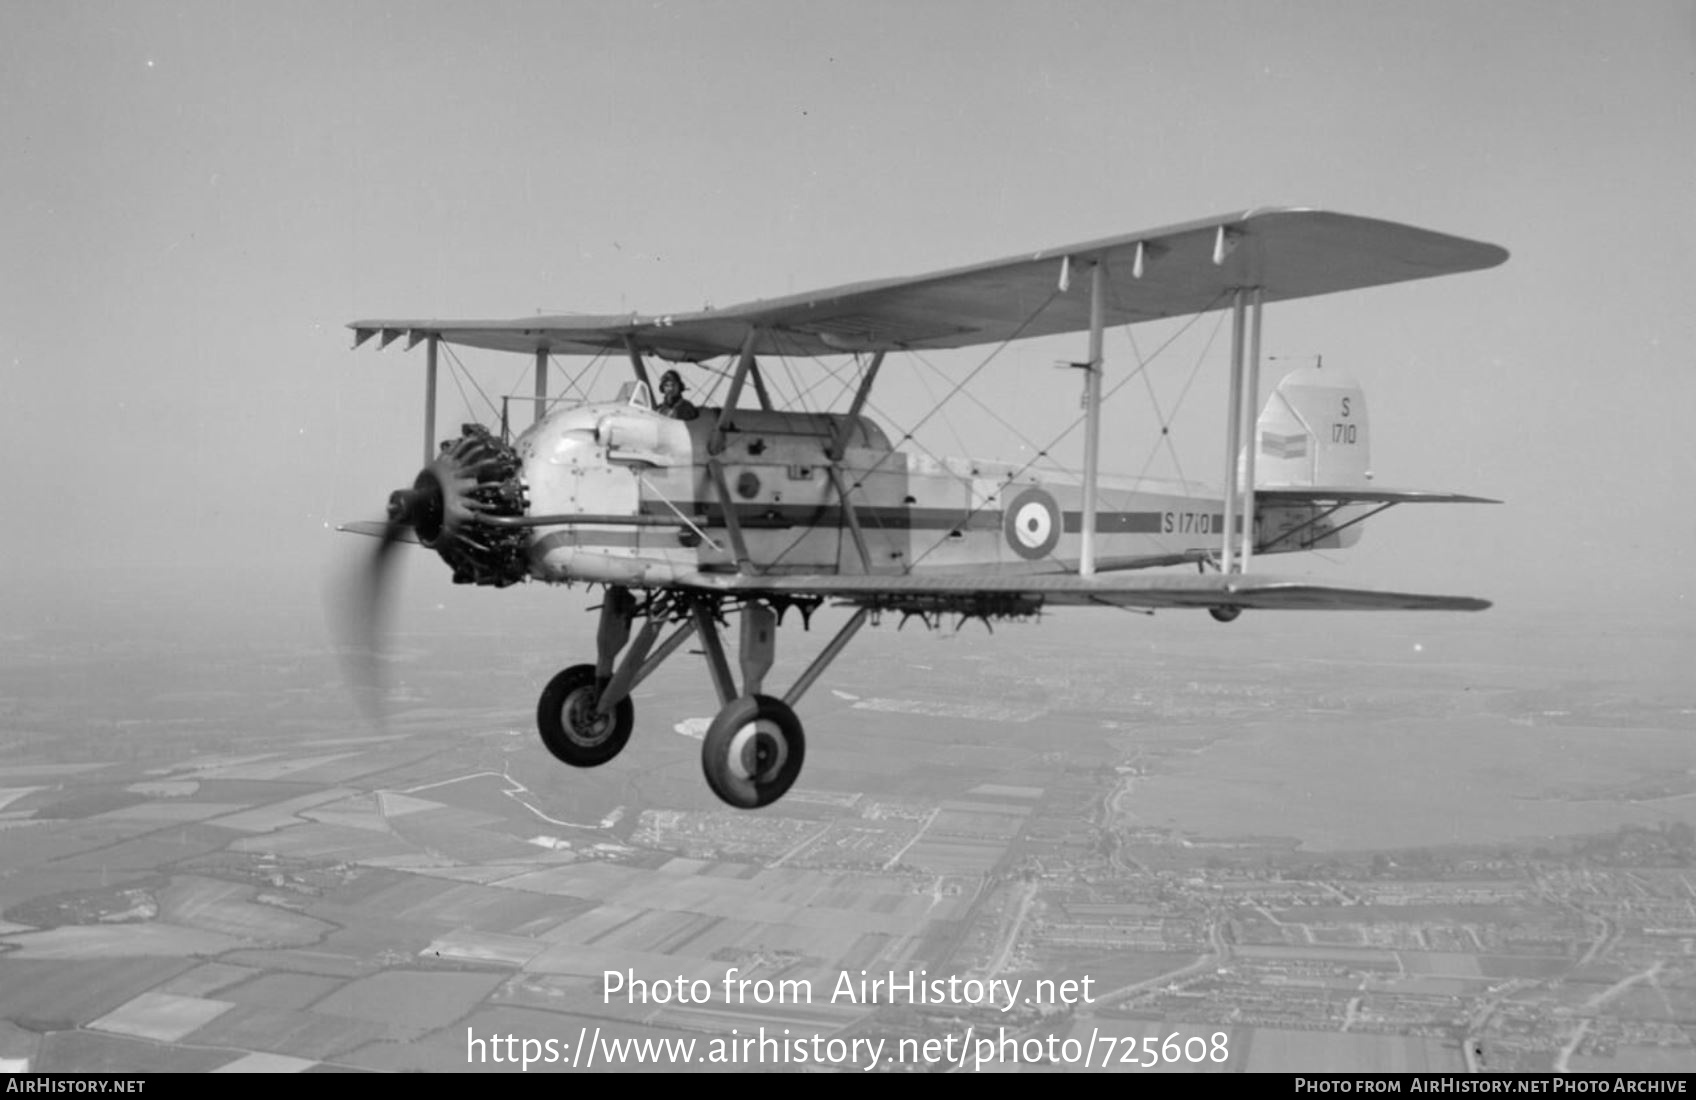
571	729
1225	614
753	751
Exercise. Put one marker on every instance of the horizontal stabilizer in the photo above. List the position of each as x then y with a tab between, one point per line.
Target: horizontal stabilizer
1351	494
1071	589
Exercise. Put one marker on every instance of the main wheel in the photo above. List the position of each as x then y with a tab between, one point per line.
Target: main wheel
1225	614
571	729
753	751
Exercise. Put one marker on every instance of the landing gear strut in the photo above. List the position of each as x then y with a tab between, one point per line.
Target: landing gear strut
585	714
754	748
753	751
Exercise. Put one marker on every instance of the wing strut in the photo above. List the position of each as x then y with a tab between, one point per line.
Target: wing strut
844	428
760	390
1251	424
743	363
636	363
430	398
1092	412
838	447
541	390
1233	428
732	523
852	515
1240	431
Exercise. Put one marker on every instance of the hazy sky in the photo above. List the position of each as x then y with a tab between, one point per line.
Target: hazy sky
198	196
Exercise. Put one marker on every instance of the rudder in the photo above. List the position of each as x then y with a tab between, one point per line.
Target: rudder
1313	432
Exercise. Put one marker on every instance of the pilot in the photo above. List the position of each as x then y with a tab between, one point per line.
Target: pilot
673	403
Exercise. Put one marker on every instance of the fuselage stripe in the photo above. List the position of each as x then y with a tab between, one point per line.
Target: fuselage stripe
889	518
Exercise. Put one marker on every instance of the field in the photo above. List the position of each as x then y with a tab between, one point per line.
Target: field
1275	1051
1383	785
299	895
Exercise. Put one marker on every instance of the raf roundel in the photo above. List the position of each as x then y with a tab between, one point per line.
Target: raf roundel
1033	524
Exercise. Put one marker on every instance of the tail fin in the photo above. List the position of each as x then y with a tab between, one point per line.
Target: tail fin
1313	433
1313	471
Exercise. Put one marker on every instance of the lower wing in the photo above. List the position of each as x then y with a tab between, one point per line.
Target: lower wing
1070	589
1357	494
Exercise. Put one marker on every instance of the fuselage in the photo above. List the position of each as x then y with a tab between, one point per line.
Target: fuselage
773	474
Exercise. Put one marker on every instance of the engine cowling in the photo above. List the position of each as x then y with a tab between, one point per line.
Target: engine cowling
473	480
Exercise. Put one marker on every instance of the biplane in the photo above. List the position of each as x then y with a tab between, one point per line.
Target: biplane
746	509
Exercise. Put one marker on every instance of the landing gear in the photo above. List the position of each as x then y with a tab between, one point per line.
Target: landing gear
585	714
1228	613
571	722
753	751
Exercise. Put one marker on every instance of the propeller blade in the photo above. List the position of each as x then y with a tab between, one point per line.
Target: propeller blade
475	476
364	615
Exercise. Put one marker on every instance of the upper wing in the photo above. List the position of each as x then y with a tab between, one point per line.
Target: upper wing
1213	590
1175	271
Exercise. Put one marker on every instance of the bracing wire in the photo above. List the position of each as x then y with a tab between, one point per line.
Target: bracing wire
947	420
799	399
1070	428
464	398
456	362
718	375
1159	415
908	434
600	367
1166	424
997	417
830	374
575	381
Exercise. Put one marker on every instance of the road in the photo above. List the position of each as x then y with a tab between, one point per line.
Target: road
1220	956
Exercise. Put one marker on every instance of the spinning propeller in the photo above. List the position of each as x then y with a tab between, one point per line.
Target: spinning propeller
454	508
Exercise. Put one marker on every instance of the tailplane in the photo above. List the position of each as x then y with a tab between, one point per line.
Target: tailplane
1313	467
